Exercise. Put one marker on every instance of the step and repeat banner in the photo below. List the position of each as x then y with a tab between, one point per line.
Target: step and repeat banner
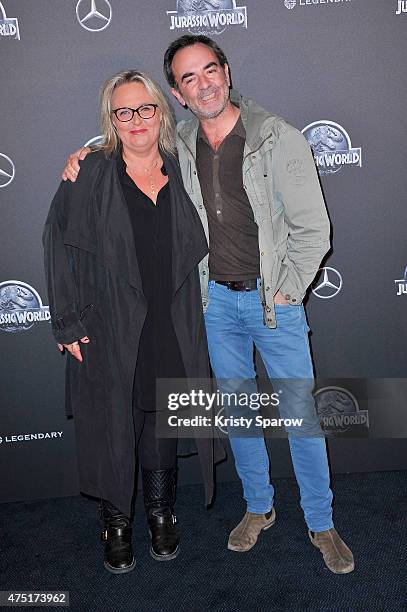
334	69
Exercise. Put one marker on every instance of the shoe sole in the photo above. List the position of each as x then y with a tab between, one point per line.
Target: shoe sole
231	547
346	571
120	570
165	557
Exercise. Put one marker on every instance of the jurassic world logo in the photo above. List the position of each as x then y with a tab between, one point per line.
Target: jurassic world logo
339	413
402	284
331	146
207	16
8	25
20	307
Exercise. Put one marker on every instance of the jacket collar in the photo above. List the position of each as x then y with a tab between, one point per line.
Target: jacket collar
187	132
256	120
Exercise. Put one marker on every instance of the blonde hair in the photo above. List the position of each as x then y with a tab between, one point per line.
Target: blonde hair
111	142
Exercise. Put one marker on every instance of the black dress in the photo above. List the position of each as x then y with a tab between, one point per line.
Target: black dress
159	355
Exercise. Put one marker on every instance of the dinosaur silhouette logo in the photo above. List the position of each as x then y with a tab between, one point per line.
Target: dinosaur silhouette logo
207	16
20	307
339	412
331	146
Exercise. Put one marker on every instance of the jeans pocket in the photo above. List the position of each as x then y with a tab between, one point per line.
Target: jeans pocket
288	315
211	285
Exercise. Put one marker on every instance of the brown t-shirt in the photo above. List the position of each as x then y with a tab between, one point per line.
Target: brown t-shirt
233	232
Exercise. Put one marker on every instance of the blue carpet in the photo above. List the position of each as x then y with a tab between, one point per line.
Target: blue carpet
53	545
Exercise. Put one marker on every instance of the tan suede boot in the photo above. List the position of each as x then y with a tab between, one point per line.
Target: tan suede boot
337	556
244	535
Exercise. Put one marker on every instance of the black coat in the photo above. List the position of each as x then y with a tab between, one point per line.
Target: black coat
95	290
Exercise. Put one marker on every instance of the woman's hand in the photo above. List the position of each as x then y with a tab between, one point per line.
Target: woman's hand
72	167
74	348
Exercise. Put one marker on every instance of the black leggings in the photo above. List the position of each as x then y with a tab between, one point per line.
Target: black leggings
153	453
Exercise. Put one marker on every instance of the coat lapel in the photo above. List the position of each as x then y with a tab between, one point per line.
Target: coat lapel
109	220
116	244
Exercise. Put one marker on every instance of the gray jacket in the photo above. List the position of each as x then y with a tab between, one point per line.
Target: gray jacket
282	186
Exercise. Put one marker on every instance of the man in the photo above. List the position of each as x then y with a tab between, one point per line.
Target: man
252	179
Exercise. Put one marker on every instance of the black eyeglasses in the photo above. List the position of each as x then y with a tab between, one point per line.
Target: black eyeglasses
145	111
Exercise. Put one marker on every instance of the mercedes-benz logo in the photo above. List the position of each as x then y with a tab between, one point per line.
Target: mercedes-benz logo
219	414
94	20
96	140
329	285
7	170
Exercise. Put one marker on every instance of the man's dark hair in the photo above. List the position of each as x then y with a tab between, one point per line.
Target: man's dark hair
187	41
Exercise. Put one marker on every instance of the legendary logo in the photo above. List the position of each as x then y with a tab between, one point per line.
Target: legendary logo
207	16
291	3
20	307
401	7
331	146
339	411
8	25
96	140
402	284
29	437
7	170
94	18
328	284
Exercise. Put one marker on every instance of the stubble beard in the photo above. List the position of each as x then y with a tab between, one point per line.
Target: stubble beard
201	114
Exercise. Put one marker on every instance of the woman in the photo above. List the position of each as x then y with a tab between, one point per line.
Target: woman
122	246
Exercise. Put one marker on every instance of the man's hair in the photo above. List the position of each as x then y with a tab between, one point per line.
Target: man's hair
112	142
188	40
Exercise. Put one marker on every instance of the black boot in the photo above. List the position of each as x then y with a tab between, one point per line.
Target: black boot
159	500
116	535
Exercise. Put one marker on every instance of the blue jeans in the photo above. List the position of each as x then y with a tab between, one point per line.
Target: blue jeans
234	322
